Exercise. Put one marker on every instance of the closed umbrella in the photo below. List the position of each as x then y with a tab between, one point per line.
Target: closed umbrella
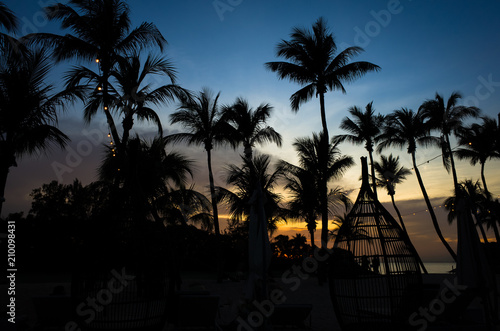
473	270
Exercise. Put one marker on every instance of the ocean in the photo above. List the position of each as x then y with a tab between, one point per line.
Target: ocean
439	267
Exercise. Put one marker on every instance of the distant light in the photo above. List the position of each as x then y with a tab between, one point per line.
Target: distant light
99	88
470	144
105	108
97	60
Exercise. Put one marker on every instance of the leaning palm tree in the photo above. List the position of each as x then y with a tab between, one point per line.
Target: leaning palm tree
478	145
312	157
206	126
391	173
447	119
363	128
250	125
245	180
28	110
101	32
404	127
315	64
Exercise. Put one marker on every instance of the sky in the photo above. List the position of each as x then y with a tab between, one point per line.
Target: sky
422	47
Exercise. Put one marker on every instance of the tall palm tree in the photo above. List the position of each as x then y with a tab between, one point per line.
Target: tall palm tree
363	128
206	126
250	125
448	119
312	157
101	32
315	64
28	110
478	145
244	181
404	127
391	173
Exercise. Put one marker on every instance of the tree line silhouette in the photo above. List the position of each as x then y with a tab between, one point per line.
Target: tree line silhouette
141	180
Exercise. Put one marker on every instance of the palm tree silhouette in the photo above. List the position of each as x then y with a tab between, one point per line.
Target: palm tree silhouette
363	128
315	64
201	116
244	181
10	23
249	124
146	174
404	127
479	145
28	110
101	33
312	157
448	120
304	203
391	173
474	193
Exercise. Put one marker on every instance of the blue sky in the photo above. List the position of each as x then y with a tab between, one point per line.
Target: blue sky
422	46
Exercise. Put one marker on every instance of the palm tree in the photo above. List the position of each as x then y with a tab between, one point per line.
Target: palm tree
244	181
129	93
304	203
478	145
249	124
391	173
201	116
28	110
146	174
10	23
474	193
404	127
448	119
363	128
312	157
101	33
313	63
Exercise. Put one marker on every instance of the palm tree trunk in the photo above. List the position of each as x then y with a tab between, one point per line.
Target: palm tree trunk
323	115
399	214
324	184
313	245
212	193
452	162
374	182
404	229
109	117
431	211
483	179
481	228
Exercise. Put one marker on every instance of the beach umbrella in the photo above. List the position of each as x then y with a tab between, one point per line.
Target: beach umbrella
259	248
473	271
